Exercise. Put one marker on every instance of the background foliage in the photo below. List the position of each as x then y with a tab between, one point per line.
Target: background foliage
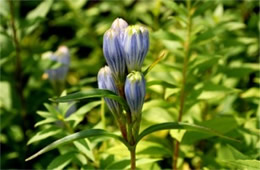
222	84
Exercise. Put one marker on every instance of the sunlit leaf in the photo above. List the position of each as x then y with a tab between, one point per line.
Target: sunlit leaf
45	114
244	164
94	93
175	7
163	35
228	123
41	10
44	134
46	121
175	125
160	82
78	116
61	161
161	56
83	146
228	152
177	134
79	135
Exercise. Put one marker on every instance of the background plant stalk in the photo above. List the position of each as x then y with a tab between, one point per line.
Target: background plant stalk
18	72
184	70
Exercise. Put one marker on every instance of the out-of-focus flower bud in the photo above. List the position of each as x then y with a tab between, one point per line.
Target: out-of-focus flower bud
106	81
119	24
114	54
62	56
135	92
136	45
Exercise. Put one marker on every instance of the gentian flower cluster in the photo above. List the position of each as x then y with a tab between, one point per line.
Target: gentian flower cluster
125	48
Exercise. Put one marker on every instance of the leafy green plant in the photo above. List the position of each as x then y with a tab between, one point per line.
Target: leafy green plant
203	62
130	97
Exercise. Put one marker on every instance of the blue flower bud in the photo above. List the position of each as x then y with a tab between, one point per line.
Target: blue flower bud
136	45
62	56
119	24
106	81
114	54
135	92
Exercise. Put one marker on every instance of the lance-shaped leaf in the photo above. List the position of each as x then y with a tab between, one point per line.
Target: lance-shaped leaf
79	135
176	125
93	93
161	56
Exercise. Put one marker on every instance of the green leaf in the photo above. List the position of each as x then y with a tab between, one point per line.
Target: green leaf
208	35
161	56
65	107
5	95
144	161
177	134
209	90
154	148
41	10
76	5
45	114
80	159
163	35
52	109
83	146
44	134
175	7
61	161
160	82
88	80
46	121
92	94
239	71
227	123
175	125
227	152
171	92
151	115
79	135
78	116
125	163
121	164
244	164
204	64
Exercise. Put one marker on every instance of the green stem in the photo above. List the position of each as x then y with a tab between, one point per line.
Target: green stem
103	119
18	71
182	93
133	158
67	126
130	135
18	77
129	129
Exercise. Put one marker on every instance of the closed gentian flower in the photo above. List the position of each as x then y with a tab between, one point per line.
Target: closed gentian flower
135	92
106	81
61	56
114	54
136	44
119	24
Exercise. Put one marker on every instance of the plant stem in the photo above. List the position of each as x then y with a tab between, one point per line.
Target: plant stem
18	72
182	93
67	125
132	152
18	79
103	119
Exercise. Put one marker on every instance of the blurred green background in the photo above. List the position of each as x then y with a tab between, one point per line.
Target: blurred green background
222	80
